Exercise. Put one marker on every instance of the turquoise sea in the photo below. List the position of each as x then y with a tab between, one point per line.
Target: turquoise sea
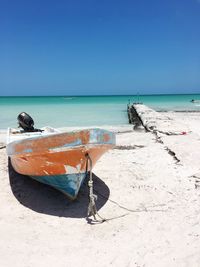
61	111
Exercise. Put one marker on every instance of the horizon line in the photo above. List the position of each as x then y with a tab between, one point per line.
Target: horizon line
99	95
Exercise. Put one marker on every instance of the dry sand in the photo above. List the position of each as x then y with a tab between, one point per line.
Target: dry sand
149	190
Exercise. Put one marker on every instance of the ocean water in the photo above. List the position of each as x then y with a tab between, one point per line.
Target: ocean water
75	111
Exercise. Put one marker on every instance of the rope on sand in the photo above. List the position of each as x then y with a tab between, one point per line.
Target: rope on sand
92	209
2	147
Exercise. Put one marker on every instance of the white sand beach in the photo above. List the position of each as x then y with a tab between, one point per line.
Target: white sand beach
148	189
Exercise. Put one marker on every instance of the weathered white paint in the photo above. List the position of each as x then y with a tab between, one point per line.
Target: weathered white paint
71	170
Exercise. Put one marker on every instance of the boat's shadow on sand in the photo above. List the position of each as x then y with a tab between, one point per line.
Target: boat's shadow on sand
45	199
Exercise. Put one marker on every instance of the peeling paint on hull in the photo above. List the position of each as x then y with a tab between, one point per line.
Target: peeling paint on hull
59	159
57	163
69	184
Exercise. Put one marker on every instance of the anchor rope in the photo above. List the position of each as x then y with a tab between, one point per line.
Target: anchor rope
2	147
92	209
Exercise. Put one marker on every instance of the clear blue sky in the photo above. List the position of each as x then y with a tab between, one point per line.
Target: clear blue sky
78	47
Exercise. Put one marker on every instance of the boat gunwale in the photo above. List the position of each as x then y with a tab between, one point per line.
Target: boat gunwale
38	137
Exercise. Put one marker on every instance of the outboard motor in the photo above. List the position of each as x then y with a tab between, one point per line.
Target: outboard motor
26	122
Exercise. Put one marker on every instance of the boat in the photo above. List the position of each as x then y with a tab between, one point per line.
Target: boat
59	159
195	101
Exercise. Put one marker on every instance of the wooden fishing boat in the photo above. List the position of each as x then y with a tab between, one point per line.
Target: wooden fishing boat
56	158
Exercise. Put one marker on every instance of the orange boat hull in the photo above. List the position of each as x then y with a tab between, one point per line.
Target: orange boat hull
60	159
57	163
